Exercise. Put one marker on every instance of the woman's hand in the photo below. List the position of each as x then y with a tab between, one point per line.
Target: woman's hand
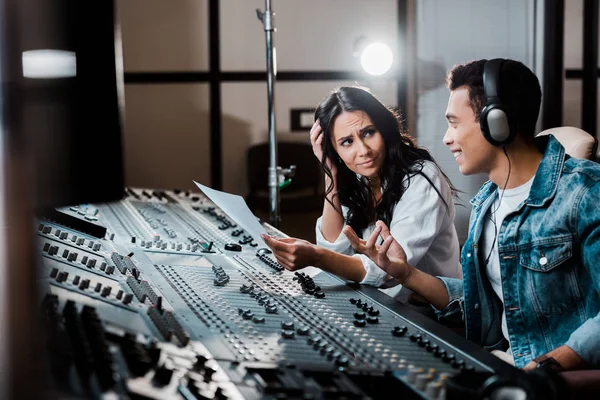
316	140
390	256
292	253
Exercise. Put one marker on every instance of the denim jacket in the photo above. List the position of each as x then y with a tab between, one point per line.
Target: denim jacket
549	250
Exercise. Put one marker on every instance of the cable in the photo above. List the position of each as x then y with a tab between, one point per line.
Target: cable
493	220
493	213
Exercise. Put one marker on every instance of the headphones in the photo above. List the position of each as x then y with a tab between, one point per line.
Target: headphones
494	120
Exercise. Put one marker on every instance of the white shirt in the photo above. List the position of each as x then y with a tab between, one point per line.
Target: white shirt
423	226
506	201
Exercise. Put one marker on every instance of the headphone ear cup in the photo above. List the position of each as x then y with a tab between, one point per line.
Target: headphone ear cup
495	125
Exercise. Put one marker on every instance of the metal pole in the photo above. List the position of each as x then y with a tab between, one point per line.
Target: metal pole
274	171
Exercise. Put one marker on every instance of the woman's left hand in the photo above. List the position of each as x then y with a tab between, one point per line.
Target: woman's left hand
292	253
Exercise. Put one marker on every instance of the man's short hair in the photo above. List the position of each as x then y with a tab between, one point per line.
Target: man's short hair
518	88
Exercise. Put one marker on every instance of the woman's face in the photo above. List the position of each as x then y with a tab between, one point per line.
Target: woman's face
358	143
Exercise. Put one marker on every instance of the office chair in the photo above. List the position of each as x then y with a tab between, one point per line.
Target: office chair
305	193
577	142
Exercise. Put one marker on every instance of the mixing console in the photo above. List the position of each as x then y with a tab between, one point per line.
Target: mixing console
161	295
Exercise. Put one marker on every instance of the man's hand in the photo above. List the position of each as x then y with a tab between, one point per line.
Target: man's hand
390	256
292	253
565	356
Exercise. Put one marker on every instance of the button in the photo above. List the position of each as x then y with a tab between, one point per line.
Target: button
54	272
360	322
543	261
76	280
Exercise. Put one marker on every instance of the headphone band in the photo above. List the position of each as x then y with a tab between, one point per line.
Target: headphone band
491	78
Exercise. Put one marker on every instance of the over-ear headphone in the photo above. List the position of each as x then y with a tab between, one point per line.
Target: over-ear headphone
495	119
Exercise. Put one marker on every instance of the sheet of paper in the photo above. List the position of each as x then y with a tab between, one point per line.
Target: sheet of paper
236	208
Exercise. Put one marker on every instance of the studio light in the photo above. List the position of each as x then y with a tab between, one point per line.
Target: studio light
376	58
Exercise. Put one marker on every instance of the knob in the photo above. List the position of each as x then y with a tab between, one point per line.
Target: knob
233	247
62	276
287	334
303	330
342	361
360	315
287	325
127	299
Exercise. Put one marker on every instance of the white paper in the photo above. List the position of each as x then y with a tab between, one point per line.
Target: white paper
236	208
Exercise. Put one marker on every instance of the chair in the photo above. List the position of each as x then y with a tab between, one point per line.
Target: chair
577	142
305	193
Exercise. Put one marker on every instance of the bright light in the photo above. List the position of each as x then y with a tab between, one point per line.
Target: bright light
49	64
376	58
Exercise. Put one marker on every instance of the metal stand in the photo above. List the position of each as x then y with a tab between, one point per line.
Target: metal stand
278	177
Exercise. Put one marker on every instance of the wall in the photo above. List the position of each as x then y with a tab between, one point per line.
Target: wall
573	59
167	125
452	32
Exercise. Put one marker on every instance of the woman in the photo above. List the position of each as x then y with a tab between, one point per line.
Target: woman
373	171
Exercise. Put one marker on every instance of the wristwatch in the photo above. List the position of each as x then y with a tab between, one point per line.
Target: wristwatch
549	363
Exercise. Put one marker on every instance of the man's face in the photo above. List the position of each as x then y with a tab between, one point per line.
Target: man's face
472	152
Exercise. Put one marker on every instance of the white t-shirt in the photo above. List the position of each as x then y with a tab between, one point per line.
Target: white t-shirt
423	226
506	201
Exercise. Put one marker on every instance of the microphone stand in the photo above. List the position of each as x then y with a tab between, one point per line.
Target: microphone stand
278	177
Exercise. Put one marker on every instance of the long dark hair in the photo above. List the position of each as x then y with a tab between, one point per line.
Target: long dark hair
403	158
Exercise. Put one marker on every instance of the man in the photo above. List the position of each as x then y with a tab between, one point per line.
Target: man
531	262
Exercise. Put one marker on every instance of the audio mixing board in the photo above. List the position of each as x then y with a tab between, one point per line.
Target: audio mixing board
163	296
